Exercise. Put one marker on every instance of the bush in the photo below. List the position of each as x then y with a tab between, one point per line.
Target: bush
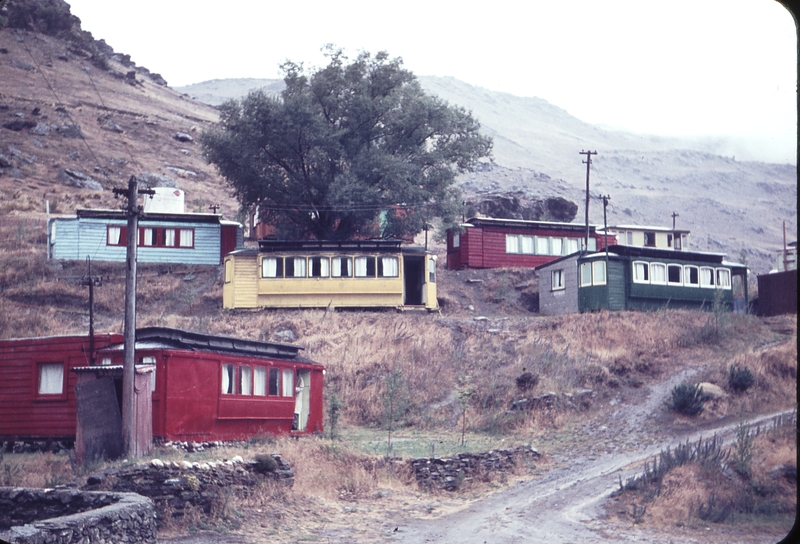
265	463
527	381
740	378
687	399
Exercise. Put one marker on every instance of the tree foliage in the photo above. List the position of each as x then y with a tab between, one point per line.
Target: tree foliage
343	143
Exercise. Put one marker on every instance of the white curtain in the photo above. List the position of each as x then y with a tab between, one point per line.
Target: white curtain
228	374
706	277
269	267
555	246
114	234
658	273
260	385
542	245
690	275
512	243
245	380
723	278
51	379
299	267
341	267
527	244
573	245
288	382
640	273
169	237
361	267
148	237
187	237
390	267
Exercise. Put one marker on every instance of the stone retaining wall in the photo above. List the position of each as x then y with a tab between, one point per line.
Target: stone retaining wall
174	486
67	516
449	474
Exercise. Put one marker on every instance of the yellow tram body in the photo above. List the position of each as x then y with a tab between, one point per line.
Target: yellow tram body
319	274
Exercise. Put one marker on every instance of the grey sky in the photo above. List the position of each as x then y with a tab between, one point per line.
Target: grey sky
696	67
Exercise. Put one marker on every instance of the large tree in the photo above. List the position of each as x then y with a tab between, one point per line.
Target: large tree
343	144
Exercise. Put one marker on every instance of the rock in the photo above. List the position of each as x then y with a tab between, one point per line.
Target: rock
113	127
150	181
712	391
22	65
181	172
183	137
70	131
5	161
40	129
73	178
286	335
19	124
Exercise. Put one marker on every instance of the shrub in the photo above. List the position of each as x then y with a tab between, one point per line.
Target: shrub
740	378
527	381
687	399
265	463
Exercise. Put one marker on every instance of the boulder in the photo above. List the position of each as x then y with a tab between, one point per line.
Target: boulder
712	391
73	178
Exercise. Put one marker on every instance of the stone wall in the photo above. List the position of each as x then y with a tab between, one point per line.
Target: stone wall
449	474
67	516
174	486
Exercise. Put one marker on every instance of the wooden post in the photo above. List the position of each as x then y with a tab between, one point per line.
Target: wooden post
588	163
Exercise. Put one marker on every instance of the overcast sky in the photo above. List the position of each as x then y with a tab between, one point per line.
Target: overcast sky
693	67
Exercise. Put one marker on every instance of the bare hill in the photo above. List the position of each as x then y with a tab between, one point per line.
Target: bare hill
731	206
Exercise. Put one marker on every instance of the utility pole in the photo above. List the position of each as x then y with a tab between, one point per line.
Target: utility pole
90	281
129	351
214	208
605	198
674	215
588	163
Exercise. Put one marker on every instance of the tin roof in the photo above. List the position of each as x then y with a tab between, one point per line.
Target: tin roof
524	223
84	213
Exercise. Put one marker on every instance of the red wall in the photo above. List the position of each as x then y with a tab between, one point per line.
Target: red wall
188	403
23	412
485	247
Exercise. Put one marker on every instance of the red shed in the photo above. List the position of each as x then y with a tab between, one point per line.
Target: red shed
206	387
484	242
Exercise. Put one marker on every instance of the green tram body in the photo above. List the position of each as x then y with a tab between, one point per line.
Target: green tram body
634	278
322	274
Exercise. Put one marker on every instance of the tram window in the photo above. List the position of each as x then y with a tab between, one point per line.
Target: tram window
274	381
658	273
260	382
365	267
674	274
388	267
706	276
228	379
318	267
691	276
342	267
723	278
245	380
641	272
431	270
295	267
272	267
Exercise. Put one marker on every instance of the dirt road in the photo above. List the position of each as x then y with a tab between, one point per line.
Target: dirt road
564	505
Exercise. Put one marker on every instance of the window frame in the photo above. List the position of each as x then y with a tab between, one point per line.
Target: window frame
672	266
720	285
707	269
230	390
279	267
431	269
456	240
587	265
123	235
60	395
602	264
653	279
381	266
557	282
321	262
513	244
687	270
342	260
645	267
368	259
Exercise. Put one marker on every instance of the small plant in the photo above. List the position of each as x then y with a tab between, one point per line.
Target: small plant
687	399
527	381
740	378
335	406
265	463
743	449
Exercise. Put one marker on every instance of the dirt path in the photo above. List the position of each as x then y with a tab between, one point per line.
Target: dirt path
564	505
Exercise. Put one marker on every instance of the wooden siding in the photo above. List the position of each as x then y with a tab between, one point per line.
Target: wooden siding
23	412
777	293
88	236
485	247
618	279
562	301
243	288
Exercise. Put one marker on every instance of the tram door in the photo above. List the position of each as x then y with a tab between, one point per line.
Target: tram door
414	278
